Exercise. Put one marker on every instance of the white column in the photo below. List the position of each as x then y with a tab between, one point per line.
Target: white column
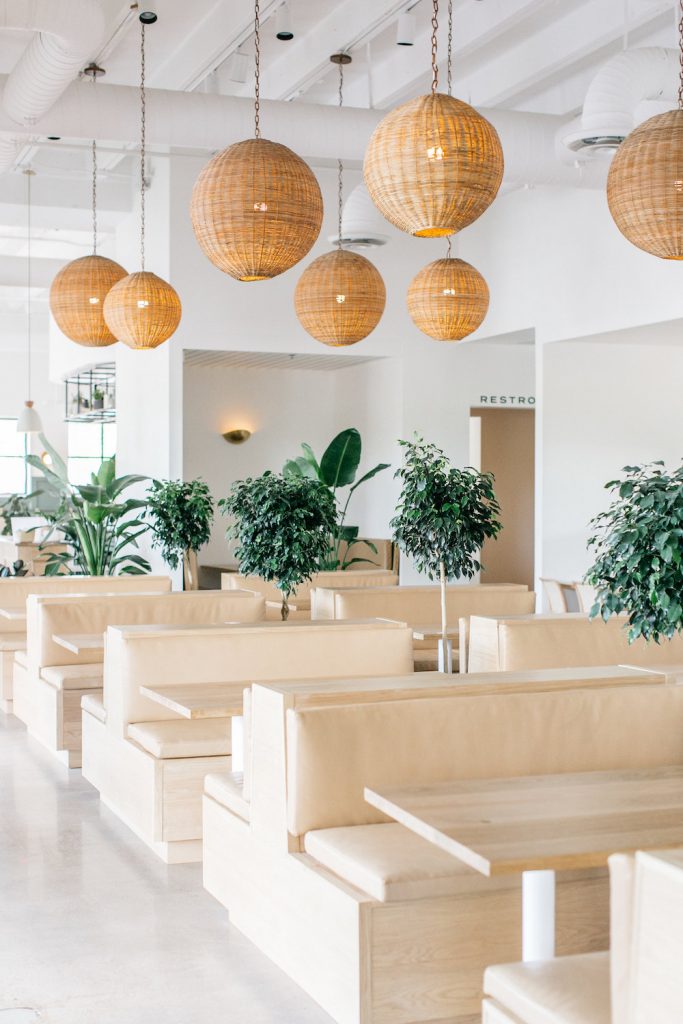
538	915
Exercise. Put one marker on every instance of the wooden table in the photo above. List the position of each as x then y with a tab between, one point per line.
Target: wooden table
79	643
14	614
540	824
432	632
199	700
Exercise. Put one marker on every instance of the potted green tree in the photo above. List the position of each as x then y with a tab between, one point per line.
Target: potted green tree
337	470
181	514
443	517
638	544
282	526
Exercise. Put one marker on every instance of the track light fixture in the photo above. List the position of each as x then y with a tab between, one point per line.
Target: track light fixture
283	30
405	30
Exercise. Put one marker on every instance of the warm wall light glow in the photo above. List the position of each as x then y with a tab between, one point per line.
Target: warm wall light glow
237	436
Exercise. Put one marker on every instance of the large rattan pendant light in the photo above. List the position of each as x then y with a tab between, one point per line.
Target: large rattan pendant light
142	310
645	181
256	207
433	165
78	291
339	299
28	421
448	299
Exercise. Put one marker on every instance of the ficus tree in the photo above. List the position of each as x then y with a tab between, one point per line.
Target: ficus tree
282	527
638	548
181	513
444	515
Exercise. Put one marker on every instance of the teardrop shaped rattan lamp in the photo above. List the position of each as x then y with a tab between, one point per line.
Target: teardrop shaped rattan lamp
448	299
256	208
433	165
339	299
142	310
78	291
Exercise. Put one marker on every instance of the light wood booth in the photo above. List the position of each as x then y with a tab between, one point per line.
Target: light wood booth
300	601
375	923
58	673
638	981
418	605
148	761
13	594
554	641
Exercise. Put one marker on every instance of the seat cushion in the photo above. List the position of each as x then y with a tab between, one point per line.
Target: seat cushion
206	737
12	642
21	658
93	705
390	862
568	990
227	789
73	677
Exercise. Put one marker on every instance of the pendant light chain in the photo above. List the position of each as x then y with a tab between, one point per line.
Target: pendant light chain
94	187
450	48
257	69
29	174
680	55
340	165
435	28
143	114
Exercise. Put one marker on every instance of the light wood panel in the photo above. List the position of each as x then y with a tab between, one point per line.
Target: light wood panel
199	700
500	826
80	643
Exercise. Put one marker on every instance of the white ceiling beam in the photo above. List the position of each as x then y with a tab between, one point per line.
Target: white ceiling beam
52	192
13	271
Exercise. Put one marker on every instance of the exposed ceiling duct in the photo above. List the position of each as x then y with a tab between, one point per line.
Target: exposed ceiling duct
68	34
615	97
320	134
363	226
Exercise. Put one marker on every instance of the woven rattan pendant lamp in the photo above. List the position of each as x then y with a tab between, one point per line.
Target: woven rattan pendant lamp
645	181
78	291
448	299
256	207
433	165
339	299
142	310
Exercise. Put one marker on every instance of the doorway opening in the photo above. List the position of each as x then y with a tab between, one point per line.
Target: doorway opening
502	442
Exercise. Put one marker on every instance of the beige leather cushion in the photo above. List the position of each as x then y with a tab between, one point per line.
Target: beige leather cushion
568	990
208	737
422	605
227	789
389	862
237	654
622	869
57	615
13	642
91	704
575	640
333	752
21	658
73	677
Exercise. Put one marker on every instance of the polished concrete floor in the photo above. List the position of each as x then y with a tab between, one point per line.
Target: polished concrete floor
94	929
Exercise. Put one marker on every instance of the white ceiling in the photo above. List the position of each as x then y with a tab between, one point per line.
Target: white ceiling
206	358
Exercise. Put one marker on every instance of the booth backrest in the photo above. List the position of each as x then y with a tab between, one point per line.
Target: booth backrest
16	589
360	579
78	613
548	641
467	737
422	605
656	980
138	656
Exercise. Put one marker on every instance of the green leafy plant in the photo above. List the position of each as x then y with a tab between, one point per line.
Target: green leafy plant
18	568
444	515
638	546
100	530
18	505
181	514
337	470
282	526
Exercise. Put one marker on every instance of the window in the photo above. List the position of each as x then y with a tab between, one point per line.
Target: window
13	452
89	445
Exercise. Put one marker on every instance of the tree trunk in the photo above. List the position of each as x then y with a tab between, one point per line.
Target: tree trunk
442	580
190	570
284	611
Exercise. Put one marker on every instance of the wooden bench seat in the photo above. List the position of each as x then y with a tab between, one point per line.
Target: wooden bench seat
567	990
73	677
389	862
208	737
13	642
93	705
227	789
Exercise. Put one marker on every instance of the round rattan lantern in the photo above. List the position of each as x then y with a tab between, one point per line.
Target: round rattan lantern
645	186
256	209
448	299
339	299
77	297
433	165
142	310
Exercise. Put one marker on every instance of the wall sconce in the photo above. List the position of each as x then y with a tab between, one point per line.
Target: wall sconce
238	436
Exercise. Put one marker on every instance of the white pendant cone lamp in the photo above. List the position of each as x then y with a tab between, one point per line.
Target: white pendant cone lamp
28	421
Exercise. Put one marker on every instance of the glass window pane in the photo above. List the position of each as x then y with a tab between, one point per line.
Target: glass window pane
12	476
11	443
109	440
80	469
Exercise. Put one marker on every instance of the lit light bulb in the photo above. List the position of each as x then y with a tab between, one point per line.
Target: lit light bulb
449	291
93	300
435	153
142	303
261	207
340	299
678	185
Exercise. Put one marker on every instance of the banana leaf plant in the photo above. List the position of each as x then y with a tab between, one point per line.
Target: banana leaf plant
101	530
337	470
